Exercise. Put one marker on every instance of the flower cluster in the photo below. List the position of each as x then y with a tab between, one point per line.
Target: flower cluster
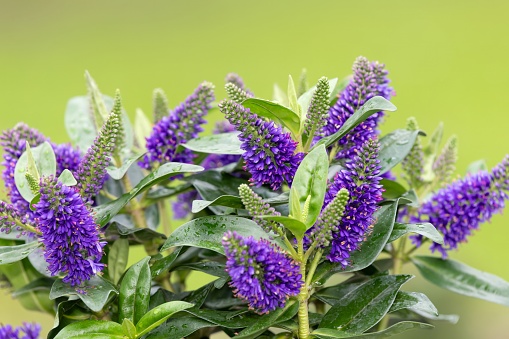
261	273
459	208
369	80
25	331
360	178
269	153
181	125
69	233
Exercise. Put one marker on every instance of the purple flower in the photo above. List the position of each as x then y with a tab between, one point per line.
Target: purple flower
181	125
360	178
11	219
268	151
261	273
7	332
31	330
69	233
67	157
27	331
235	79
369	80
459	208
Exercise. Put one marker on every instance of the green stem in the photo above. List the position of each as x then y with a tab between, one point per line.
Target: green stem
312	268
303	297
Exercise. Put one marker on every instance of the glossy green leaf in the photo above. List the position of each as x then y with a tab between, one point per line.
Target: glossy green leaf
179	328
98	292
135	292
477	166
138	235
207	232
164	264
297	227
425	229
158	315
10	254
223	143
129	329
45	160
227	319
365	306
403	326
274	112
118	172
283	198
105	212
373	105
413	301
224	200
166	192
460	278
117	259
310	180
142	128
394	147
264	322
210	267
393	189
92	329
68	312
67	178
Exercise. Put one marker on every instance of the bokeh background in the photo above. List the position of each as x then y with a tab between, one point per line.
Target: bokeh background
448	62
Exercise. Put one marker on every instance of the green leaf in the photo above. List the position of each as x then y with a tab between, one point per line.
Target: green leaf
310	180
264	322
179	328
98	292
135	292
164	264
477	166
137	235
129	329
78	122
403	326
340	86
413	301
207	232
297	227
393	189
365	306
117	259
223	143
142	128
45	161
279	95
373	105
31	168
460	278
92	329
275	112
305	99
67	178
210	267
425	229
97	102
10	254
159	314
224	200
281	199
39	284
118	172
395	146
292	97
105	212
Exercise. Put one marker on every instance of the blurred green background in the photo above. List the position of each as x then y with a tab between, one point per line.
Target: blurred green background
448	62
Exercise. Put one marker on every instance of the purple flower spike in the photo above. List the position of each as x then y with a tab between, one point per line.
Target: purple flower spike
69	233
459	208
269	152
181	125
31	330
369	80
67	158
360	178
262	274
26	331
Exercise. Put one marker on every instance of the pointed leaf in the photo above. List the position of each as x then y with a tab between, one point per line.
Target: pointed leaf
268	320
223	143
279	95
395	146
67	178
117	259
207	232
477	166
79	124
179	328
142	128
413	301
164	264
393	189
373	105
403	326
98	292
129	329
310	180
10	254
105	212
98	106
118	172
425	229
92	329
460	278
135	292
297	227
158	315
365	306
275	112
224	200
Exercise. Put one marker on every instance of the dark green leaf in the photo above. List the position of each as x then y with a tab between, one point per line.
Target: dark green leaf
118	172
137	235
68	312
135	292
117	259
310	180
393	189
477	166
98	292
209	267
373	105
207	232
179	328
105	212
268	320
274	112
328	333
158	315
228	319
164	264
332	295
283	198
460	278
223	143
394	147
410	196
94	329
425	229
297	227
413	301
10	254
365	306
224	200
165	192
